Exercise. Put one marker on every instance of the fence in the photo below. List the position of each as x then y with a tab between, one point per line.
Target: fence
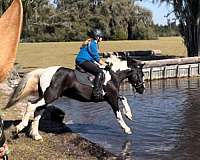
158	66
172	68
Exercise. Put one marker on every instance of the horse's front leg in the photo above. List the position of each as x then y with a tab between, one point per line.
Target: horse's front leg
113	101
126	109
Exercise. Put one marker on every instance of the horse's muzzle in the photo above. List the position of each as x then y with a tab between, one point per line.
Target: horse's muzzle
139	88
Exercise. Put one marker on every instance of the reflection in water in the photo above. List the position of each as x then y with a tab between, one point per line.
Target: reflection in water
166	121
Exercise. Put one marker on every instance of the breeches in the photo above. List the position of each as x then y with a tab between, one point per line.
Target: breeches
91	68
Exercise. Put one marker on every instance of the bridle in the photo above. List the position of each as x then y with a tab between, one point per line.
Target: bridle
138	85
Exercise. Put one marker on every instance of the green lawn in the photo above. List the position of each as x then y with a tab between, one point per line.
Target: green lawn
63	53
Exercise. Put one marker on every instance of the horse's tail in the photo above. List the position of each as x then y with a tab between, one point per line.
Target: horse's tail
28	85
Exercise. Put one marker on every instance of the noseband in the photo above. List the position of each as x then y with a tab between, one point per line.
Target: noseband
138	85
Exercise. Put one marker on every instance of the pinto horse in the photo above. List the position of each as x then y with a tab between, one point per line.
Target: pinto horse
54	82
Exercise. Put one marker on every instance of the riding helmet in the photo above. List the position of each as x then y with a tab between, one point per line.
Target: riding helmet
95	33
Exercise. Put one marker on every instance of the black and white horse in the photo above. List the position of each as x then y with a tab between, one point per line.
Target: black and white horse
54	82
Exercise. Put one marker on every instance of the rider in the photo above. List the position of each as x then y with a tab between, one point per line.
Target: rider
87	58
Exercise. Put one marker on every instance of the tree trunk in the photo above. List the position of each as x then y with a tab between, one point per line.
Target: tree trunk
130	31
192	40
189	18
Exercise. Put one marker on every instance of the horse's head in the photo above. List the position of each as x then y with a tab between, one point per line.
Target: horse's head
136	76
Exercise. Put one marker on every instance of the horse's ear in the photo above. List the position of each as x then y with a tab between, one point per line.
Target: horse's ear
142	64
133	63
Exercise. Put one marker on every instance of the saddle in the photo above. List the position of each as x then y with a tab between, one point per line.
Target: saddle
83	76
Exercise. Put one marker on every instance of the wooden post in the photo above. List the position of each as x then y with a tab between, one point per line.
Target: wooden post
177	71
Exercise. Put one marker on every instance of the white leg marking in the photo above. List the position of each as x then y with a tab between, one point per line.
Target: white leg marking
126	109
34	133
143	82
34	127
29	110
122	123
107	77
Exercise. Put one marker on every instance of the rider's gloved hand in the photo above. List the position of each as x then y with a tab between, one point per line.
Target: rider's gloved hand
108	66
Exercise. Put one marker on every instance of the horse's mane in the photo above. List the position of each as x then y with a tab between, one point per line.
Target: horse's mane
117	63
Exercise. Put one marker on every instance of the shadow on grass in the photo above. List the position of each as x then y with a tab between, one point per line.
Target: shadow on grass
51	122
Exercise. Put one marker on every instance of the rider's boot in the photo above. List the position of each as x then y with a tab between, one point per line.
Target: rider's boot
98	86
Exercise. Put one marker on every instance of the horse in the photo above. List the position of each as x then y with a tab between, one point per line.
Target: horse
57	81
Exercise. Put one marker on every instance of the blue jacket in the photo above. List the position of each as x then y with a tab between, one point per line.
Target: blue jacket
88	53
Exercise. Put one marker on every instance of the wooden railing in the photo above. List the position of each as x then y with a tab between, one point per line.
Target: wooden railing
172	68
158	66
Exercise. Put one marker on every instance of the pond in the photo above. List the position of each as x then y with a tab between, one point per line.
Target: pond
166	121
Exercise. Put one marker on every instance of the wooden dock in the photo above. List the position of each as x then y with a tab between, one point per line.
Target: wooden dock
172	68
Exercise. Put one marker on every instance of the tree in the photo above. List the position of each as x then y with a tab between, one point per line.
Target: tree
188	14
69	20
4	4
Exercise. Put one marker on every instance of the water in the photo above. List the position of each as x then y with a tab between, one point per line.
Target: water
166	121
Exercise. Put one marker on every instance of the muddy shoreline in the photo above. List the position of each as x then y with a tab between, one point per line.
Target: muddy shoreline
59	142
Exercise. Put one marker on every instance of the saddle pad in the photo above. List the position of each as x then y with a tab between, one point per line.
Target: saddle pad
83	78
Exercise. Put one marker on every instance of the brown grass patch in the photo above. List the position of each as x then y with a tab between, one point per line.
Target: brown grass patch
63	53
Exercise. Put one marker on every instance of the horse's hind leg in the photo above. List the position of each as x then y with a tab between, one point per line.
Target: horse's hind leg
34	133
113	101
48	98
24	123
126	109
29	111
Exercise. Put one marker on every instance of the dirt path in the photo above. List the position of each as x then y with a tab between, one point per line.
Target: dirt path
63	145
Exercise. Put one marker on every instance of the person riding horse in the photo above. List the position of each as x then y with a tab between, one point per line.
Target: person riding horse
86	58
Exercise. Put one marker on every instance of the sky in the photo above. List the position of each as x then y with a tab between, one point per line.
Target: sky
159	11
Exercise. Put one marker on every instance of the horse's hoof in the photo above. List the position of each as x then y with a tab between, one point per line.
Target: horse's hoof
129	116
19	128
128	131
37	137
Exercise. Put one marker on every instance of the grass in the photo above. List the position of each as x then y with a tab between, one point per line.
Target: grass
63	53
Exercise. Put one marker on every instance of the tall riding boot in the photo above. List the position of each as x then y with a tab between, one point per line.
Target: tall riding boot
98	86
